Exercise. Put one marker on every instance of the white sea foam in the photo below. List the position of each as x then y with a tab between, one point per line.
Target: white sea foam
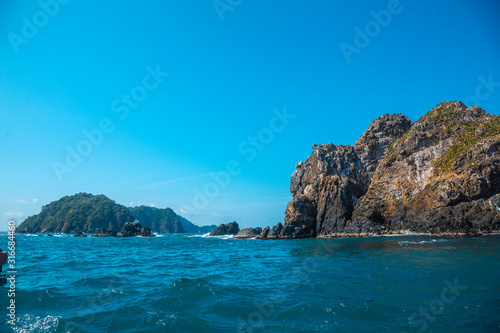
207	235
204	235
31	323
431	241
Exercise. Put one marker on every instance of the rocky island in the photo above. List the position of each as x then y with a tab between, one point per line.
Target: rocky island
438	175
97	215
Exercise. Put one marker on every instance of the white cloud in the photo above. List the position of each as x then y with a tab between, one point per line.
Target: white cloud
183	211
35	201
13	214
22	201
217	215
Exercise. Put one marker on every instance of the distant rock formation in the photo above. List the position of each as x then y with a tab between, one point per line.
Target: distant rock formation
231	228
134	229
79	234
249	233
440	174
195	229
159	220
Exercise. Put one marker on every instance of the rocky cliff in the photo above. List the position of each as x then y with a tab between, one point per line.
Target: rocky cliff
438	175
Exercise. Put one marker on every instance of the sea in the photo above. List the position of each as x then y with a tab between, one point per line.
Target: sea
195	283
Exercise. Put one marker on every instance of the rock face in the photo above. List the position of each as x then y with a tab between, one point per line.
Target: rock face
134	229
440	174
231	228
249	233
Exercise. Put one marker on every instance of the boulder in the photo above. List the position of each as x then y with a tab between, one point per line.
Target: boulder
134	229
231	228
80	234
275	231
249	233
264	233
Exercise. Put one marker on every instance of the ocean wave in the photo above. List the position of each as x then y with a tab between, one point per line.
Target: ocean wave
198	235
207	235
104	281
76	264
431	241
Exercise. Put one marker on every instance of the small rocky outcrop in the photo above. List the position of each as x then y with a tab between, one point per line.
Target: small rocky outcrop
272	233
275	232
249	233
264	233
79	234
440	174
231	228
134	229
106	233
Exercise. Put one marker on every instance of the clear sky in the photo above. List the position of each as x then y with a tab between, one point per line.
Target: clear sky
145	101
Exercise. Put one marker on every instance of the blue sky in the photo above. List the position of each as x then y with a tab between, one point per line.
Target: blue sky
251	85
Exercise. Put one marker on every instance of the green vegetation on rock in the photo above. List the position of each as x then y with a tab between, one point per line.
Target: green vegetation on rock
441	113
473	132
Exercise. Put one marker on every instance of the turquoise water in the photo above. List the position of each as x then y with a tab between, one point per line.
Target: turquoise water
187	283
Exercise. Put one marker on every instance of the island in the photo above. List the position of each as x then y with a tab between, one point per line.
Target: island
84	213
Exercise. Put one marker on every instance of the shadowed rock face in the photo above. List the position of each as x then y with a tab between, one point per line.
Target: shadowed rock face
439	174
328	184
226	229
